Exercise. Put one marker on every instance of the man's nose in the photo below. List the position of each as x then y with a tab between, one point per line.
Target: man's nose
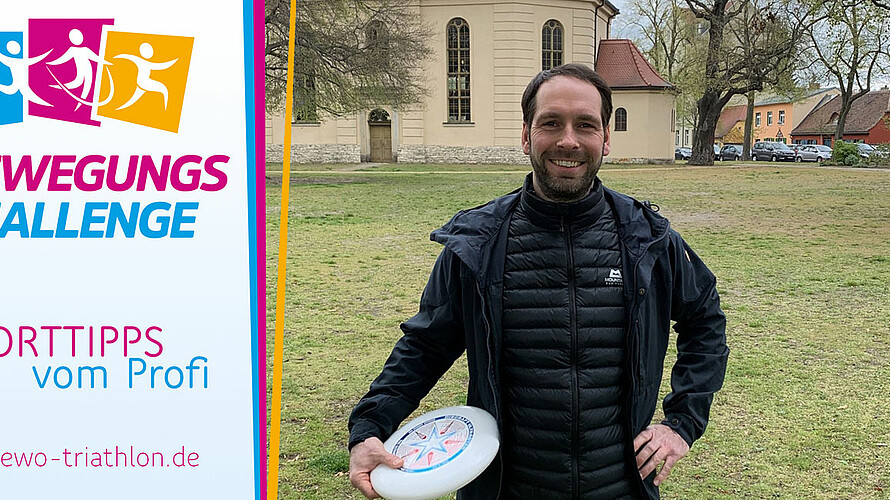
569	140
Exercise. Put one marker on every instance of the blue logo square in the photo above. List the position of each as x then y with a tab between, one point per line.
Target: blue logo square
12	77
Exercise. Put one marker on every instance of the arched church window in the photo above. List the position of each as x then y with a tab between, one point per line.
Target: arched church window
620	120
551	44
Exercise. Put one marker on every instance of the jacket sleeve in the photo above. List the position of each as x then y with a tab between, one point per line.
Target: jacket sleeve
433	339
701	343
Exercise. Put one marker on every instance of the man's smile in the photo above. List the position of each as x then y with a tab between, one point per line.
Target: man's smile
567	163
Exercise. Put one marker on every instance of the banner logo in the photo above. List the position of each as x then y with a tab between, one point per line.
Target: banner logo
73	76
146	83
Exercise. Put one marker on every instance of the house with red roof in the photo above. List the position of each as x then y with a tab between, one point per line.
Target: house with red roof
643	116
484	55
868	121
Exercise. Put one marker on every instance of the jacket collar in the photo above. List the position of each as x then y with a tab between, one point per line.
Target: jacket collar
553	215
472	234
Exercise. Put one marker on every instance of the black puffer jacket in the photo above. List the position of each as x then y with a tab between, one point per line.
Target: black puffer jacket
564	356
461	309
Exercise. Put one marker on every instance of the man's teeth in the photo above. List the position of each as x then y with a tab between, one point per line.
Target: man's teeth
567	164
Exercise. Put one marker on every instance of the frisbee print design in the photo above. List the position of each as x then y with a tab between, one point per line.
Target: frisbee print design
443	451
434	443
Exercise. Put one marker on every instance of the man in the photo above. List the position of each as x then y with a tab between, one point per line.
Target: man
562	294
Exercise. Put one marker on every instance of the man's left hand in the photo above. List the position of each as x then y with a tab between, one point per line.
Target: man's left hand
656	444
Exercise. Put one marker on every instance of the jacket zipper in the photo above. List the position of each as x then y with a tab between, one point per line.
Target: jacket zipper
491	381
633	325
637	297
573	331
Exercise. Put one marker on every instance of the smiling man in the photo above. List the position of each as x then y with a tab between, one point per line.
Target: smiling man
562	294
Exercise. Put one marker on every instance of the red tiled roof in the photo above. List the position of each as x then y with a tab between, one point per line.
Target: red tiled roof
622	66
728	118
864	114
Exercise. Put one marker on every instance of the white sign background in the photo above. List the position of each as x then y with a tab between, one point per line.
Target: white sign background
197	290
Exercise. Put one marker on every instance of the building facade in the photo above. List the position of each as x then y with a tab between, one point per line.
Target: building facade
868	121
485	53
774	117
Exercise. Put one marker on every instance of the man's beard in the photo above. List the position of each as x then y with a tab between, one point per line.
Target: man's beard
564	189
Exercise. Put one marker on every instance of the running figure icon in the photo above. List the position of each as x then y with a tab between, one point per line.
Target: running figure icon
19	69
144	67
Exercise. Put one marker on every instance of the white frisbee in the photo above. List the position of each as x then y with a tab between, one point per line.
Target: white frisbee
443	450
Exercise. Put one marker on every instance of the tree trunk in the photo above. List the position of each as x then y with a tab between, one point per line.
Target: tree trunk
710	104
749	127
709	107
846	104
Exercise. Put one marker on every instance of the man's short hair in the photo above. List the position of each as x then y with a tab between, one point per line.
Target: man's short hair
572	70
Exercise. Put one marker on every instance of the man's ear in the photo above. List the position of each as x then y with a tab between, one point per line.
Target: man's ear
526	147
606	145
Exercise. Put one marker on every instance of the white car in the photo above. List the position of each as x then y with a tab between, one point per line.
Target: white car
813	152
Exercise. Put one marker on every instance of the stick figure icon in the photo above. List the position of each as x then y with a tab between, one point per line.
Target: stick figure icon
144	67
18	66
83	57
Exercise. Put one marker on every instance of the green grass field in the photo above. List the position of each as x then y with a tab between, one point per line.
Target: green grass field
802	256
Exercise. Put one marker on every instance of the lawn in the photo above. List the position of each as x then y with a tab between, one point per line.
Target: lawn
802	256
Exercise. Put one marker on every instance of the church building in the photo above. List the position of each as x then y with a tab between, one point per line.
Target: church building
484	54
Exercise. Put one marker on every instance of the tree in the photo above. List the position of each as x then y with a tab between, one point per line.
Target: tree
849	40
671	40
350	55
751	44
666	29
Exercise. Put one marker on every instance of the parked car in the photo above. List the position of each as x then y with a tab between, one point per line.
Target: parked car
812	152
716	152
772	151
731	152
867	150
682	153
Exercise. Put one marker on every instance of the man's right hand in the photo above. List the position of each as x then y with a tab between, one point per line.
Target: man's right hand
363	458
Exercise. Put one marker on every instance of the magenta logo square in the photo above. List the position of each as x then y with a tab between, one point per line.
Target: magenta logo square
63	74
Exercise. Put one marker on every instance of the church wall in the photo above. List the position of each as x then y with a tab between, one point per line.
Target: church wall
503	60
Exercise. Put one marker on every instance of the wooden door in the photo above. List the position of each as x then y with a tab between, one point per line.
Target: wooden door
381	142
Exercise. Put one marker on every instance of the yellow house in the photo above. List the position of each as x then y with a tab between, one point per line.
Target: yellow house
485	53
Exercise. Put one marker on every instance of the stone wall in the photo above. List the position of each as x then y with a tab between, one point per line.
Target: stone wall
639	161
508	155
316	153
409	153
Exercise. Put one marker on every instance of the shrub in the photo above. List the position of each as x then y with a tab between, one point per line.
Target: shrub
842	151
852	160
882	156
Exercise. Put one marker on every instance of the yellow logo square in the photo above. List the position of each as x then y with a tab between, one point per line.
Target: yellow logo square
145	78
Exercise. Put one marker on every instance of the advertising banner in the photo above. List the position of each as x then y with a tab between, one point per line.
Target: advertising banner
132	302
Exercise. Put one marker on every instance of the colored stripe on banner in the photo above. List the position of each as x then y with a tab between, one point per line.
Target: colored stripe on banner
255	93
277	358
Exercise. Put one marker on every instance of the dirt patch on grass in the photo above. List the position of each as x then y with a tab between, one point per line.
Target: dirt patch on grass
709	219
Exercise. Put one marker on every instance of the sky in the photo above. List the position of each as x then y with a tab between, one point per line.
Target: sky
620	29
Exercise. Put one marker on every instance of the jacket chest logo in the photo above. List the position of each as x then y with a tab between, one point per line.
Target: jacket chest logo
615	278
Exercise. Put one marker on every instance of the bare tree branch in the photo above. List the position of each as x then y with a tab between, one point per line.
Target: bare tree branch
848	39
341	64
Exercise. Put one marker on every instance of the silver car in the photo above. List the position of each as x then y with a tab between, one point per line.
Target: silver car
812	152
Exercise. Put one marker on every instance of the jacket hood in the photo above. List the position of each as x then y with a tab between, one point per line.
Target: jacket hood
470	233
